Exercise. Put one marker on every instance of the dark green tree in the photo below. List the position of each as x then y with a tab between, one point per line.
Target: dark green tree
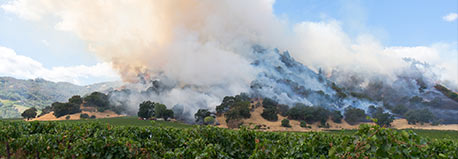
161	111
61	109
29	113
383	119
99	100
201	114
354	115
76	100
419	116
146	110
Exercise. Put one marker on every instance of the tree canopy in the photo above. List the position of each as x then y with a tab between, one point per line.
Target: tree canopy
29	113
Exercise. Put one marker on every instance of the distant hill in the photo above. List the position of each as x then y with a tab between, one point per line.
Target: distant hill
16	95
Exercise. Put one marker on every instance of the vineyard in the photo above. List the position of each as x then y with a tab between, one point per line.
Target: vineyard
96	140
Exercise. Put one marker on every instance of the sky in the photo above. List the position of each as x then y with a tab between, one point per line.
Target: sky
34	49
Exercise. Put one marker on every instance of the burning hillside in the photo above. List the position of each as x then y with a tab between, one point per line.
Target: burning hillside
189	54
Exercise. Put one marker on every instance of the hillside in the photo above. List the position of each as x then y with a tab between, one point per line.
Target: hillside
256	120
16	95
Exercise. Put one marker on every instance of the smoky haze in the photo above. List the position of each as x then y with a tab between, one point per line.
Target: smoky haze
199	51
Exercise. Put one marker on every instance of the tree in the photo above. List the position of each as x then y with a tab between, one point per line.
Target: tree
201	114
209	120
285	123
383	119
270	114
161	111
61	109
99	100
336	116
354	115
29	113
400	109
283	109
146	110
76	100
422	116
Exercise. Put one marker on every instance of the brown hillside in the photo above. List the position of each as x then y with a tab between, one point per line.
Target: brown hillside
257	119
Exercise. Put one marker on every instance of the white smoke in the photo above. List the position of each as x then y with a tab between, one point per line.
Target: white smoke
205	47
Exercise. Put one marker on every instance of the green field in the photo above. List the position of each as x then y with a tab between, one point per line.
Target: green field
432	134
133	121
97	139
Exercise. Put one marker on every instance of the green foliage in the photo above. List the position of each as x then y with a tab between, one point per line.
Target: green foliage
146	110
336	116
285	123
269	103
308	114
67	117
354	115
238	111
209	120
61	109
447	92
93	140
93	117
283	109
201	114
399	109
99	100
161	111
29	113
270	114
76	100
84	116
339	91
303	124
230	101
383	119
419	116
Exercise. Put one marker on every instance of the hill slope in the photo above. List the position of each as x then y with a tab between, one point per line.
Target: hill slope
16	95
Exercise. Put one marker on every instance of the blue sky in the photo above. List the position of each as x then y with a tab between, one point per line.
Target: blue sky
392	22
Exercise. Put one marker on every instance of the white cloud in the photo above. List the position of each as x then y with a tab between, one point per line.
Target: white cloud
450	17
18	66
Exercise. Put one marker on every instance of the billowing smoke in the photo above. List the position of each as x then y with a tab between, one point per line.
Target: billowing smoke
189	54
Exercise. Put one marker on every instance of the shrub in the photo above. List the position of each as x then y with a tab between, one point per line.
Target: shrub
84	116
67	117
285	123
93	117
303	124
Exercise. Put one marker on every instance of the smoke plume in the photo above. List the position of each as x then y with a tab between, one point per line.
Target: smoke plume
198	51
